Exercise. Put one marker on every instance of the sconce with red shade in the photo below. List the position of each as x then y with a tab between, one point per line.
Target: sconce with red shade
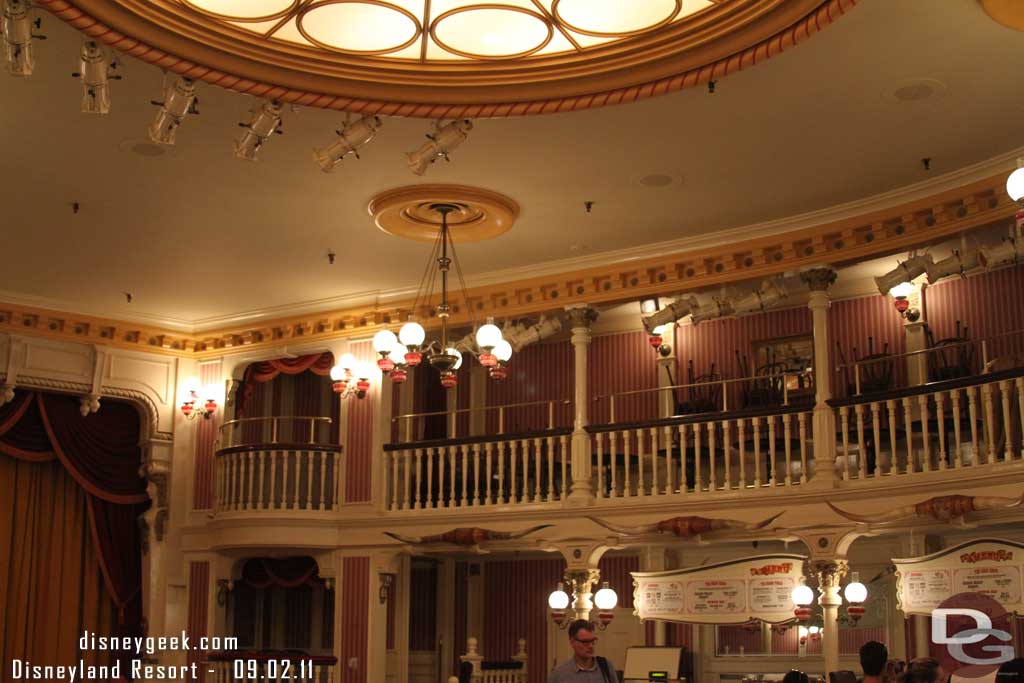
198	400
351	378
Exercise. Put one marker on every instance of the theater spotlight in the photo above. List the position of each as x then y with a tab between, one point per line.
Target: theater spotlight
350	138
439	143
715	309
904	272
1007	251
95	74
179	101
17	32
957	264
769	294
680	308
543	329
266	121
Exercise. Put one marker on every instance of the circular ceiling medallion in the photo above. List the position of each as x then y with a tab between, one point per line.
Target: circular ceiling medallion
491	32
614	18
410	212
1009	13
360	26
452	58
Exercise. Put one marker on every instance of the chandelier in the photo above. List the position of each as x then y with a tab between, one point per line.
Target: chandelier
407	349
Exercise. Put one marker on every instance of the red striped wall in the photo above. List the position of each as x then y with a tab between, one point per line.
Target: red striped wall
852	321
355	599
206	435
461	614
540	372
515	606
616	571
359	449
622	362
198	595
988	304
423	609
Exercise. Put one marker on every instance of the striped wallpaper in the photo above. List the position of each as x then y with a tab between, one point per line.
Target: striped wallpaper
354	623
206	435
616	571
622	362
540	372
988	304
461	615
851	322
515	606
198	596
423	609
358	452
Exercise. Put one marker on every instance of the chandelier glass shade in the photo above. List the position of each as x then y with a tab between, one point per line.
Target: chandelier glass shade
408	348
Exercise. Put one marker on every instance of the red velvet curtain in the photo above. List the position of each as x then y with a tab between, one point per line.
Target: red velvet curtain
264	371
287	572
101	452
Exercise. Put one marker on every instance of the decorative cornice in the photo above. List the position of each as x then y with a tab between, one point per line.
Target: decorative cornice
877	233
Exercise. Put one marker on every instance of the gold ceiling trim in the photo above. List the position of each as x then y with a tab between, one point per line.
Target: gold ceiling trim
712	43
871	235
479	215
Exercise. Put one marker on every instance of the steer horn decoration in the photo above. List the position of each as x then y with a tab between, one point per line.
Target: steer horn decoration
941	508
467	536
686	527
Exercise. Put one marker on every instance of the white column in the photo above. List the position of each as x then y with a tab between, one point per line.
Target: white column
824	421
582	493
830	573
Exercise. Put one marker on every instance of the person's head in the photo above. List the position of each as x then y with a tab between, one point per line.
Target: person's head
582	639
873	656
795	676
924	670
1011	671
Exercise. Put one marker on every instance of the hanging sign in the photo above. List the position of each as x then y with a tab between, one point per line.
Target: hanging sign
991	567
732	592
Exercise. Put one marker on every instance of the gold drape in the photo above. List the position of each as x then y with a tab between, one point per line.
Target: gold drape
51	585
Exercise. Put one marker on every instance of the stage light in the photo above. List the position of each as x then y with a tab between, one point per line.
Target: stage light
442	141
95	74
179	101
349	140
266	121
16	27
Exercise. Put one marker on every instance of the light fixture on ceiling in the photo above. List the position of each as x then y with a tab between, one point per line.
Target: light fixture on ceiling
439	143
197	399
179	101
95	74
441	354
16	27
350	377
1015	182
349	140
266	121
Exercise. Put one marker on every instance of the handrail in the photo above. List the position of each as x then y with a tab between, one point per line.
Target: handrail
928	388
725	399
693	418
889	358
229	426
551	403
484	438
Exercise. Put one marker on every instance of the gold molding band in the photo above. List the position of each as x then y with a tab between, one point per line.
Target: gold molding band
902	227
733	35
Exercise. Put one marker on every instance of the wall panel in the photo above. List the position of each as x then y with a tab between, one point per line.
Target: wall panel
198	598
540	372
358	451
354	596
852	323
619	363
206	435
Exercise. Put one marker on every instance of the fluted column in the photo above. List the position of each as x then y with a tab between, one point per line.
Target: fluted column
830	573
824	421
582	492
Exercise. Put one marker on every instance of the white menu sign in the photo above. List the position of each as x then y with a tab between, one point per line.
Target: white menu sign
728	593
989	566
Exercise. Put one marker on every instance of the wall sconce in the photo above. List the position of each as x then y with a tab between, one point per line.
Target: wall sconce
347	370
657	340
224	588
901	301
605	600
387	581
193	394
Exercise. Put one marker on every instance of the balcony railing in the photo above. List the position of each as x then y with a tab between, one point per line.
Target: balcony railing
480	471
251	431
548	415
286	477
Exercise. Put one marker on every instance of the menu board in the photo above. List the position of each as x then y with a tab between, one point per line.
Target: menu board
727	593
989	566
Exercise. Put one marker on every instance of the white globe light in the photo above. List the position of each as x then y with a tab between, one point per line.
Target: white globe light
190	386
558	599
213	392
502	351
412	334
347	361
384	341
814	629
337	373
1015	185
488	336
802	595
855	591
398	352
452	351
660	330
903	289
606	598
363	370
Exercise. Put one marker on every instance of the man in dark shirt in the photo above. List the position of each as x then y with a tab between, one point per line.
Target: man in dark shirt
873	658
584	667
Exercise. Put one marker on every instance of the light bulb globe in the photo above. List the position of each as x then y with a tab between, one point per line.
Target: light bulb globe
802	595
606	598
903	289
452	351
855	591
502	351
488	336
384	341
347	361
1015	185
338	373
558	599
411	334
398	352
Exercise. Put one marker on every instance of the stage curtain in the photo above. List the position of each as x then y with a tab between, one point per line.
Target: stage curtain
286	572
51	584
264	371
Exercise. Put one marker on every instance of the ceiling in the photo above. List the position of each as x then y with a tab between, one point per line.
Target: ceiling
200	238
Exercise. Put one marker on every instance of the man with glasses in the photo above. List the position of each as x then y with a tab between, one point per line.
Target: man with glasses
584	667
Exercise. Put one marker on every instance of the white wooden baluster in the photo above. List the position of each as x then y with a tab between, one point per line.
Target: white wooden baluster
641	488
726	448
284	480
954	395
742	438
251	503
501	473
876	431
862	451
465	473
613	462
756	421
478	465
712	465
666	437
655	479
272	492
418	454
538	468
514	477
787	434
489	469
926	463
236	480
844	421
626	488
551	468
323	475
907	423
774	480
442	466
599	438
261	464
452	484
802	421
891	407
1020	411
524	452
698	478
394	481
564	451
309	480
940	425
990	422
972	412
1004	393
406	476
336	479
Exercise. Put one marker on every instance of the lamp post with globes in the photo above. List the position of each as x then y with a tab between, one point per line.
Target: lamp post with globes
605	600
